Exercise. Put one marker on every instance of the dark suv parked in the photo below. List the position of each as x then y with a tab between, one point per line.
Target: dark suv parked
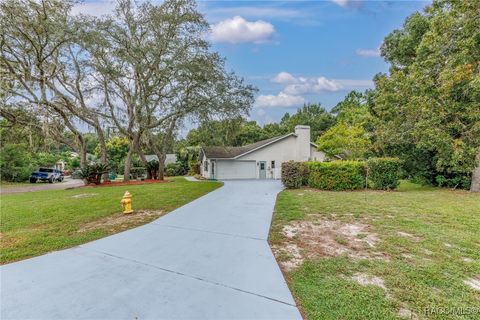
46	174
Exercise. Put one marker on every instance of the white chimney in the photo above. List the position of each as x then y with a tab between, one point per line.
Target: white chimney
303	142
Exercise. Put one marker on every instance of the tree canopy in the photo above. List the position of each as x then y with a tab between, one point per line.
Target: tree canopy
143	70
430	100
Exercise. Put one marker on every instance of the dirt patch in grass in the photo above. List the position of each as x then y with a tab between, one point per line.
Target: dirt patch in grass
474	282
123	183
409	236
121	221
365	280
8	240
407	314
329	238
84	195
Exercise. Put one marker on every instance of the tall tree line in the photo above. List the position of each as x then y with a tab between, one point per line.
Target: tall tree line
143	70
426	109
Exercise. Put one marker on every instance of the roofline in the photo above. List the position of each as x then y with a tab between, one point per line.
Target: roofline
264	145
316	146
260	147
202	153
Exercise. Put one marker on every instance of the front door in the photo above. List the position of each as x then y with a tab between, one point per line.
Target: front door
263	170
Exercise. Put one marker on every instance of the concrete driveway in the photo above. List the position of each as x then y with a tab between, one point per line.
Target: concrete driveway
206	260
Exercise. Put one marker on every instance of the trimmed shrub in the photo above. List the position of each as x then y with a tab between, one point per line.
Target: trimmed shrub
138	172
304	173
175	169
454	181
294	174
152	169
337	175
384	173
193	167
93	173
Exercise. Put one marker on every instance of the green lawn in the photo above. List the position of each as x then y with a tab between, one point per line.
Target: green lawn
35	223
380	255
6	185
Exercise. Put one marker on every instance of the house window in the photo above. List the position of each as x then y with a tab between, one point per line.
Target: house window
205	166
273	164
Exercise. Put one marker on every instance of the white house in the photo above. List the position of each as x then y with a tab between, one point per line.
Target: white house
259	160
169	158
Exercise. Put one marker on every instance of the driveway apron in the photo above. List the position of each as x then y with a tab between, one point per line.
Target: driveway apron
206	260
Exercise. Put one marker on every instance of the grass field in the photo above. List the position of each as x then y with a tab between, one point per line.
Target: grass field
35	223
380	255
6	185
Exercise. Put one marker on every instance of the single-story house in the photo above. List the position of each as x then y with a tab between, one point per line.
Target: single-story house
259	160
169	158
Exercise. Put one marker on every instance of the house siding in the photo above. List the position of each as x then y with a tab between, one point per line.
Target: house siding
294	147
280	151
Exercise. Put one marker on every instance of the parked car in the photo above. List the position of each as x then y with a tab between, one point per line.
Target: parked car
46	174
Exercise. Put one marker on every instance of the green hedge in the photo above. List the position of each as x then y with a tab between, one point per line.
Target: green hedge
294	174
337	175
383	173
175	169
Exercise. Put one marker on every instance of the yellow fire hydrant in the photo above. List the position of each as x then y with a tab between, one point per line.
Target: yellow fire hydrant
127	202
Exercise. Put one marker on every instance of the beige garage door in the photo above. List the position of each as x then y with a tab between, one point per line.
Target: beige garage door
235	169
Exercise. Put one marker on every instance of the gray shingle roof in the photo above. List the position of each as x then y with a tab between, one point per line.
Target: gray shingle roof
216	152
169	158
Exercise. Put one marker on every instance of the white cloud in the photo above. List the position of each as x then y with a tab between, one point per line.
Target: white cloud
296	86
303	85
239	30
97	9
341	3
368	52
284	78
282	100
348	3
312	85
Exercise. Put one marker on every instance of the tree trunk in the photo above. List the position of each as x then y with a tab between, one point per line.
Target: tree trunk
103	150
145	163
82	151
30	140
161	157
128	161
475	187
161	166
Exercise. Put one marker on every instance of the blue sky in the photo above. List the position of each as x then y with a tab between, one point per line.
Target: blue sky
299	51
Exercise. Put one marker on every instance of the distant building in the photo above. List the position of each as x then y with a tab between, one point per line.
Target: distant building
60	165
169	158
